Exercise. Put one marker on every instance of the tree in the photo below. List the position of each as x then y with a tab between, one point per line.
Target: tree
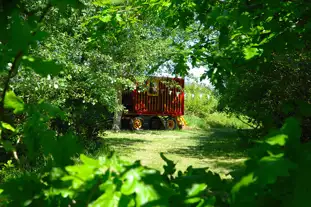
97	54
136	45
235	38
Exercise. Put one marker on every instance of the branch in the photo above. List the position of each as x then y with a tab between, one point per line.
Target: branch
238	117
15	155
7	81
15	63
11	74
154	68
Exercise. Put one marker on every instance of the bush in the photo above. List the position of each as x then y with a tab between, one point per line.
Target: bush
269	96
200	100
215	120
201	106
110	181
195	122
220	120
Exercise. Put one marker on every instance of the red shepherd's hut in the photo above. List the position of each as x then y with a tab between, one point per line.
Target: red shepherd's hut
158	103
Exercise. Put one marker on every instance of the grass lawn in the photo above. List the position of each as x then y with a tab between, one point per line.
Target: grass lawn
215	148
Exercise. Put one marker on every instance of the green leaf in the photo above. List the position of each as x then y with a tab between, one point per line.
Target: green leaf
105	2
7	126
106	18
89	161
42	67
20	34
126	201
118	18
292	129
7	146
63	154
52	110
210	202
27	202
169	169
279	139
11	101
131	182
110	198
275	165
244	182
196	189
250	52
269	19
192	200
145	194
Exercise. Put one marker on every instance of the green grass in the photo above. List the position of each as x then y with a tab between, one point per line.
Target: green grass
216	148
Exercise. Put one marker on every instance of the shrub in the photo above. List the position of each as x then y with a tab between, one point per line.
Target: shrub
216	120
195	122
220	120
110	181
199	100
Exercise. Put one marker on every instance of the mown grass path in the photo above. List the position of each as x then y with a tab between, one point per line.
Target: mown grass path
217	149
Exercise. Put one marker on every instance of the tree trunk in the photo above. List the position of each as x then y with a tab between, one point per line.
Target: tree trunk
116	126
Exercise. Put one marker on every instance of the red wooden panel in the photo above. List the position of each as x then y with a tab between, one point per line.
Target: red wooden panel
162	104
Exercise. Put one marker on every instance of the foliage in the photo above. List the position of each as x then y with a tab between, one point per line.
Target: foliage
116	183
280	91
220	120
199	100
257	49
112	182
276	155
195	122
216	120
201	104
90	63
232	38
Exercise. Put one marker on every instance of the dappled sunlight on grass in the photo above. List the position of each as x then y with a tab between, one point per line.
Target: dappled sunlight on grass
217	149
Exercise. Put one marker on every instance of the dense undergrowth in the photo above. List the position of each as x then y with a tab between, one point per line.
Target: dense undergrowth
201	110
215	120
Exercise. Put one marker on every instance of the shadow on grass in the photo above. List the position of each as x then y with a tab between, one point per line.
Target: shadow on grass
216	143
141	132
124	143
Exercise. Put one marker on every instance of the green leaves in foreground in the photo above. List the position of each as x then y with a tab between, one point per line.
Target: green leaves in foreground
250	52
113	181
109	181
11	101
267	170
42	67
6	126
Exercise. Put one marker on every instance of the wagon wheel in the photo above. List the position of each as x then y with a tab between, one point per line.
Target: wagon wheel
137	123
171	123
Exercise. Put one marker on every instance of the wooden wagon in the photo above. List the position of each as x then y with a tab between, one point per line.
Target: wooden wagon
156	104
